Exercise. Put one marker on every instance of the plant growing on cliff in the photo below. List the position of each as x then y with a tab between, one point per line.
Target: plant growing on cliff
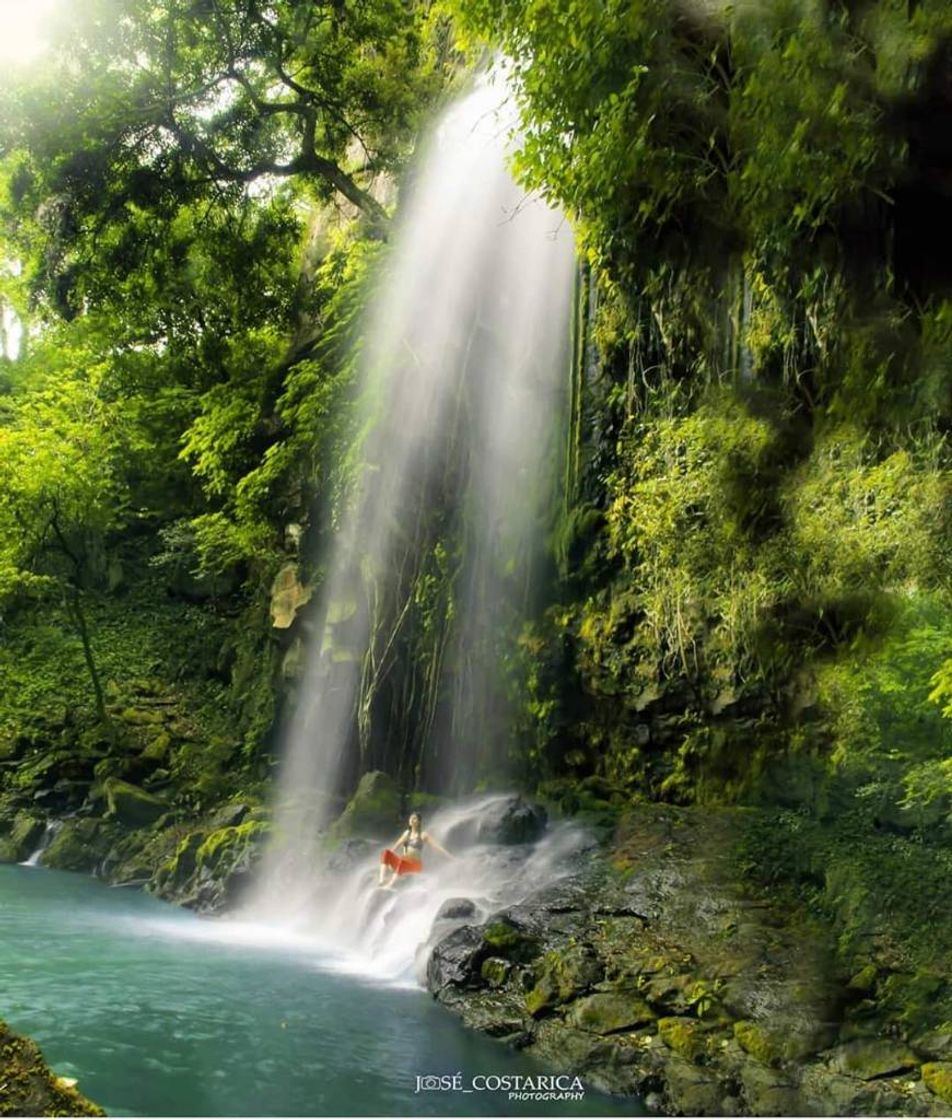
61	492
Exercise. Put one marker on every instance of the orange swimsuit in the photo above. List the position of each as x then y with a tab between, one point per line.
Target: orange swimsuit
403	865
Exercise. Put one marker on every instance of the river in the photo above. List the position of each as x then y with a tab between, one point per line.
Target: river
158	1012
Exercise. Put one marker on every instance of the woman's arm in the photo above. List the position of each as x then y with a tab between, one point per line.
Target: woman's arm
428	839
402	839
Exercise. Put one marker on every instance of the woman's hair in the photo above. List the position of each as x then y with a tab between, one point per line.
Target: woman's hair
418	817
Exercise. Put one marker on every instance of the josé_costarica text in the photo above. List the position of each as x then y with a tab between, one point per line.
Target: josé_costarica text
517	1083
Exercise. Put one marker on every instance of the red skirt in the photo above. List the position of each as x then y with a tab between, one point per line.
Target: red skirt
400	864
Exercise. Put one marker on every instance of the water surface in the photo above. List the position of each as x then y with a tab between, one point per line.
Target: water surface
160	1013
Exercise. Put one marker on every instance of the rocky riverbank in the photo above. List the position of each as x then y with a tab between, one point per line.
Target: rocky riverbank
653	969
28	1087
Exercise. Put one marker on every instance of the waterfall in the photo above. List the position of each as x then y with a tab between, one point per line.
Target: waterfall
464	368
49	832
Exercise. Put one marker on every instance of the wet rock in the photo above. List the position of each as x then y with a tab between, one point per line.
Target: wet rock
456	908
456	959
510	940
351	853
374	810
506	820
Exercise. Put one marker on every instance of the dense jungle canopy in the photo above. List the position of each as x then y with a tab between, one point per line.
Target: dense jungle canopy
747	597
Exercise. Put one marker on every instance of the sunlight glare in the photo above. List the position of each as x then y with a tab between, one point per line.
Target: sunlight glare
24	26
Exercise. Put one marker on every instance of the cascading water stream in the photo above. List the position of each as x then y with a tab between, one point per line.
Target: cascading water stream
49	834
464	373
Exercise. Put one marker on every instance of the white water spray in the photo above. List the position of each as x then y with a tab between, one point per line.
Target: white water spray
49	834
464	368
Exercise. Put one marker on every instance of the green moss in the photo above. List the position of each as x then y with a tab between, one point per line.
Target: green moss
864	980
937	1077
607	1012
511	943
759	1043
685	1037
374	810
133	806
562	976
226	843
79	845
495	971
29	1088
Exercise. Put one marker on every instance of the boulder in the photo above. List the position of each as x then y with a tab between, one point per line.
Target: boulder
132	805
456	908
503	820
456	960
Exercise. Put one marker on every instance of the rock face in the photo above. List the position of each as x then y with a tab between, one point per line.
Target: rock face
653	971
374	810
28	1087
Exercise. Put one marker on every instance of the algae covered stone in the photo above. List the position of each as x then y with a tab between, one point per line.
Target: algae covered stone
684	1036
937	1077
28	1087
509	941
495	971
132	805
564	975
606	1012
756	1042
374	810
79	845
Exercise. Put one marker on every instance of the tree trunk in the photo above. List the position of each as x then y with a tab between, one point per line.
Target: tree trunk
75	611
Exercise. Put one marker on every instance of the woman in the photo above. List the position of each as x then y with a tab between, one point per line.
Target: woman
412	840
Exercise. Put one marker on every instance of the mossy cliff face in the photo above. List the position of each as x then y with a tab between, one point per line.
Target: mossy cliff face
29	1088
655	968
191	688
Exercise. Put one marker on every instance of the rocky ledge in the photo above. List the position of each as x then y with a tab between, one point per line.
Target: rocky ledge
650	970
29	1088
